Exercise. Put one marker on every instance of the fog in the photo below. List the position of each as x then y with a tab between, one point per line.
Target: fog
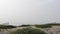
18	12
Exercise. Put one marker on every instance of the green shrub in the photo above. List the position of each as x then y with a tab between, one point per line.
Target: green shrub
6	26
54	24
43	26
28	31
25	25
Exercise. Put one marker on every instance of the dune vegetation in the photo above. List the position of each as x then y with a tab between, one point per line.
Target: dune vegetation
7	26
28	31
49	25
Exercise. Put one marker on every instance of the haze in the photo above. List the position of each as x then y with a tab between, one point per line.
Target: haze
18	12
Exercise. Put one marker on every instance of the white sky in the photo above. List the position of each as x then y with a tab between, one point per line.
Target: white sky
29	11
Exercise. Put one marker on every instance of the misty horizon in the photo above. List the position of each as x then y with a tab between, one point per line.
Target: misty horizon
18	12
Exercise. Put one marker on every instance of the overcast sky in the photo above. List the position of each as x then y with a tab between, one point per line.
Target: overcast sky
29	11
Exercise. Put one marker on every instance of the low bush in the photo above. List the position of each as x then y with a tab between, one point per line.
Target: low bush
28	31
25	25
43	26
54	24
6	26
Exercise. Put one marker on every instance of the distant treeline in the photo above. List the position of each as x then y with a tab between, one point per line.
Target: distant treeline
48	25
7	26
38	26
25	25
